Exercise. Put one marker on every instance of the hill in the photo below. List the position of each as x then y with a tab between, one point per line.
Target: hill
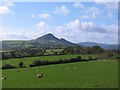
49	41
46	41
104	46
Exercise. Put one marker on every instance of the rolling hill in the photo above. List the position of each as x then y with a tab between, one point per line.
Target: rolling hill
46	41
50	41
104	46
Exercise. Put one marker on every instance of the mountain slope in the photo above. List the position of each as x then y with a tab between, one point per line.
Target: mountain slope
50	39
47	37
104	46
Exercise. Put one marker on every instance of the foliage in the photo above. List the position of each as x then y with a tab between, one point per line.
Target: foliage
20	64
81	50
7	66
28	52
46	62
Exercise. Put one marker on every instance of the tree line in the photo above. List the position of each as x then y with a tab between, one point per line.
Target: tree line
47	62
32	52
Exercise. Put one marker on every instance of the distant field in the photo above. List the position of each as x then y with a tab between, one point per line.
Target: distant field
15	42
51	51
92	74
28	60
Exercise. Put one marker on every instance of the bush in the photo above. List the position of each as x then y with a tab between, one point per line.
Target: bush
45	62
79	57
7	66
36	63
90	58
20	64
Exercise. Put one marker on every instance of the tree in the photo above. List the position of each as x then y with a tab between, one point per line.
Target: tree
96	49
7	66
20	64
36	63
55	53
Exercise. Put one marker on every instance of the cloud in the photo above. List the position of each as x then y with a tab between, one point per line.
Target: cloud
62	10
44	15
87	12
41	25
78	5
5	8
17	36
33	15
109	5
77	31
9	4
94	11
110	15
10	33
77	26
73	24
74	31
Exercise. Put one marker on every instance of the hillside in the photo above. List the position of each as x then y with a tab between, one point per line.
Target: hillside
49	41
104	46
46	41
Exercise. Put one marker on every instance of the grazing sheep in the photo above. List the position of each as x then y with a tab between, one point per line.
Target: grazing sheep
39	75
75	67
3	78
67	68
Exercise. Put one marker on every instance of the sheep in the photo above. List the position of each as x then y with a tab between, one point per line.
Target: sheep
75	67
67	68
39	75
3	78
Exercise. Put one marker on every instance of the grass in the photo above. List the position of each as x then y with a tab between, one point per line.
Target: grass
28	60
51	51
93	74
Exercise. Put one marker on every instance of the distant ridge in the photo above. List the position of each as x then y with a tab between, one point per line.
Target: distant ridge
47	37
104	46
50	41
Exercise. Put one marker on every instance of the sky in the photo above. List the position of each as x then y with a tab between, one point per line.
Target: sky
74	21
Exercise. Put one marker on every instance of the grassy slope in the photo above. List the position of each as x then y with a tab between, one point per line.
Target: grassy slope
28	60
88	74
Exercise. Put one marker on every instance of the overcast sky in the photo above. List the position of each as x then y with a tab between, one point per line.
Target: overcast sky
74	21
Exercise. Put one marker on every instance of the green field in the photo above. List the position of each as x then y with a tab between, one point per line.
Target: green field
28	60
92	74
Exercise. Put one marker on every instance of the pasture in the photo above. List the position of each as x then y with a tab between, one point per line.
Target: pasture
92	74
28	60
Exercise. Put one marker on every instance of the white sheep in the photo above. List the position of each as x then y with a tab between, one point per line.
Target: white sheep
67	68
75	67
39	75
3	78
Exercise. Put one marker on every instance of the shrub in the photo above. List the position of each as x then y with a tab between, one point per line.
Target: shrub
79	57
45	62
90	58
36	63
7	66
55	53
20	64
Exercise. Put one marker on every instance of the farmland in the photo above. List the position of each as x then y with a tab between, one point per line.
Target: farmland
28	60
92	74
